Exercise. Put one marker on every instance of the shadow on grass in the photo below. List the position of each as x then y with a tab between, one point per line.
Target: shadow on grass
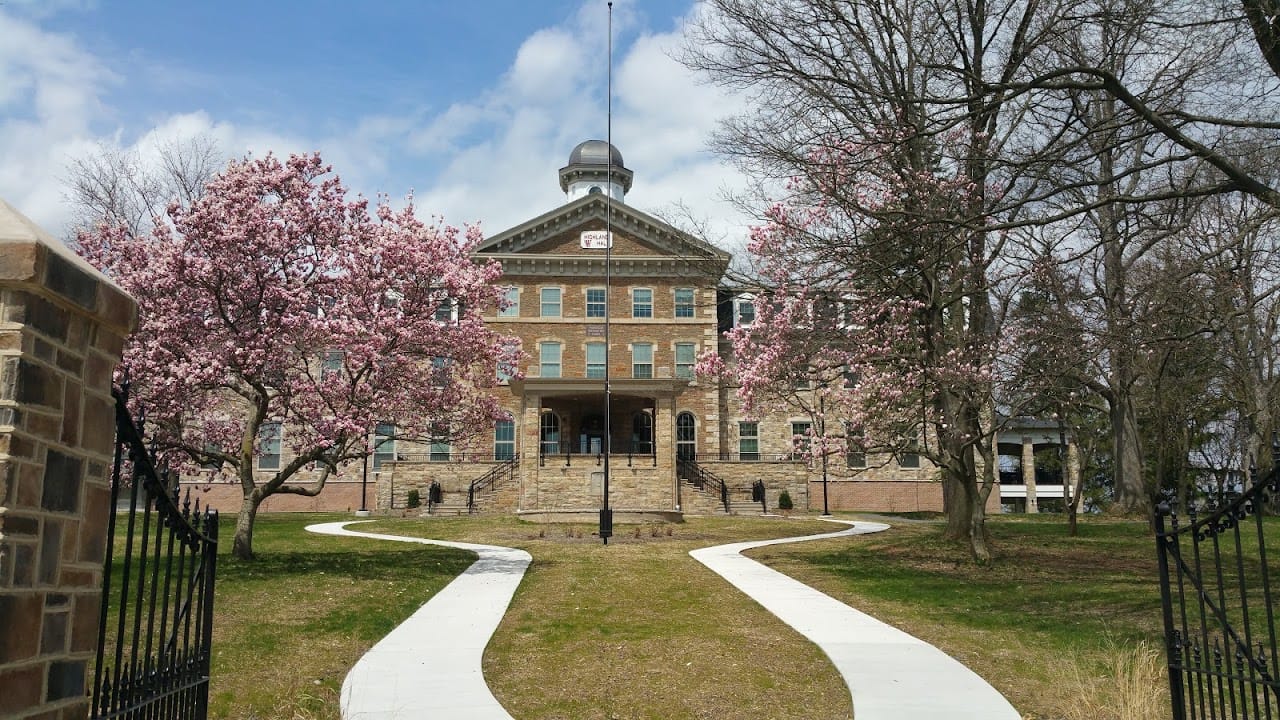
370	564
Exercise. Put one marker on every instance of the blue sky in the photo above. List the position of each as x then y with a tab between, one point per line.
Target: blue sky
472	105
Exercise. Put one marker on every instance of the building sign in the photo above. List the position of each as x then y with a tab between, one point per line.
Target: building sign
595	330
596	239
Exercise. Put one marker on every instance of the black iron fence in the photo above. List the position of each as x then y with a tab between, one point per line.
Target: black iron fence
156	624
1219	622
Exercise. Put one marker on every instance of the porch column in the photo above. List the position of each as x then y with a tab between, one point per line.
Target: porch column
664	425
1029	474
530	448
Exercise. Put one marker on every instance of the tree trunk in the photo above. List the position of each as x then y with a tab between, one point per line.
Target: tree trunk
1130	491
242	545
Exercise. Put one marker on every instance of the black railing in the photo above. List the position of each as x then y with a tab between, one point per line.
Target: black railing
503	472
726	456
564	451
1219	623
156	622
704	480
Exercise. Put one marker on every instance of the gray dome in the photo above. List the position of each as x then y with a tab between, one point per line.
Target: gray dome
595	152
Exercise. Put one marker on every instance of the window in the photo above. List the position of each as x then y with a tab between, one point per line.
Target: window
642	360
748	441
642	303
684	360
331	366
384	444
642	433
549	432
855	454
746	313
595	302
910	456
510	303
800	438
439	451
550	302
211	460
269	435
686	435
684	302
549	359
504	440
595	360
439	371
444	311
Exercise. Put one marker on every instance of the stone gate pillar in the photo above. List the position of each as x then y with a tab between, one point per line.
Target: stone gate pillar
62	329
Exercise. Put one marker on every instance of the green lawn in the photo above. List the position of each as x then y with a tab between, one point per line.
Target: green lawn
1065	627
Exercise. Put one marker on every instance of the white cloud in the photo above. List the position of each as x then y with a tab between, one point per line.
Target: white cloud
491	157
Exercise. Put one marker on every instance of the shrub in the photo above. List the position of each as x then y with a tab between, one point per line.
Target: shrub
784	501
415	498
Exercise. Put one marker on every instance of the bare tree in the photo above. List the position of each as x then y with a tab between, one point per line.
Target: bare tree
123	188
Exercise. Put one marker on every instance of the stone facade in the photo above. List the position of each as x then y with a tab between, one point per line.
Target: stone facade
62	329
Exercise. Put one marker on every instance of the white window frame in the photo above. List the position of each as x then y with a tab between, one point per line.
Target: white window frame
603	303
384	445
636	304
637	364
689	306
499	441
600	365
544	303
684	370
754	437
544	361
266	441
512	296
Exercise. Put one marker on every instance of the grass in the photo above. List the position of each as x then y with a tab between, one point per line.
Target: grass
292	622
1065	627
1052	623
639	629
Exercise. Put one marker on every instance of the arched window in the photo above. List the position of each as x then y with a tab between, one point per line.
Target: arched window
550	433
642	433
686	436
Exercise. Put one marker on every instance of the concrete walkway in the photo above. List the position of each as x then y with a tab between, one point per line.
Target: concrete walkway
891	675
429	666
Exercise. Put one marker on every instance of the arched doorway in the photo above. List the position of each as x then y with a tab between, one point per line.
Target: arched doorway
686	436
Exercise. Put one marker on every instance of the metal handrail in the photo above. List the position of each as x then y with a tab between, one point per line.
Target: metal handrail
704	479
506	467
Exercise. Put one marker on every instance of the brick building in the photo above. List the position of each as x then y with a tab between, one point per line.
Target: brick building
636	313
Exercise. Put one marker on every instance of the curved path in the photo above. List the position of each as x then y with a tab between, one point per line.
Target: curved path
891	675
429	666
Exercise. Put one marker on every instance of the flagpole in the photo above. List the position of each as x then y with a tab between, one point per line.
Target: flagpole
606	513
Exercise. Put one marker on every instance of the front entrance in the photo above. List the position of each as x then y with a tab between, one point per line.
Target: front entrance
591	435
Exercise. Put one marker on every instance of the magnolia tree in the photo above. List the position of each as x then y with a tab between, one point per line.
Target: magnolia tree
874	317
275	309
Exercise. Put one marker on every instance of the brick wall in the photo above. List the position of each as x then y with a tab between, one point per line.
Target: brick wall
337	496
62	328
885	496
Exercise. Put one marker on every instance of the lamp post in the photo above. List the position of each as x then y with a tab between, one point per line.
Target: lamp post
364	481
822	431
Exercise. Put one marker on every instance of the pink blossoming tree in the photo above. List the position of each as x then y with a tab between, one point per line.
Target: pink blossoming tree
874	315
275	298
